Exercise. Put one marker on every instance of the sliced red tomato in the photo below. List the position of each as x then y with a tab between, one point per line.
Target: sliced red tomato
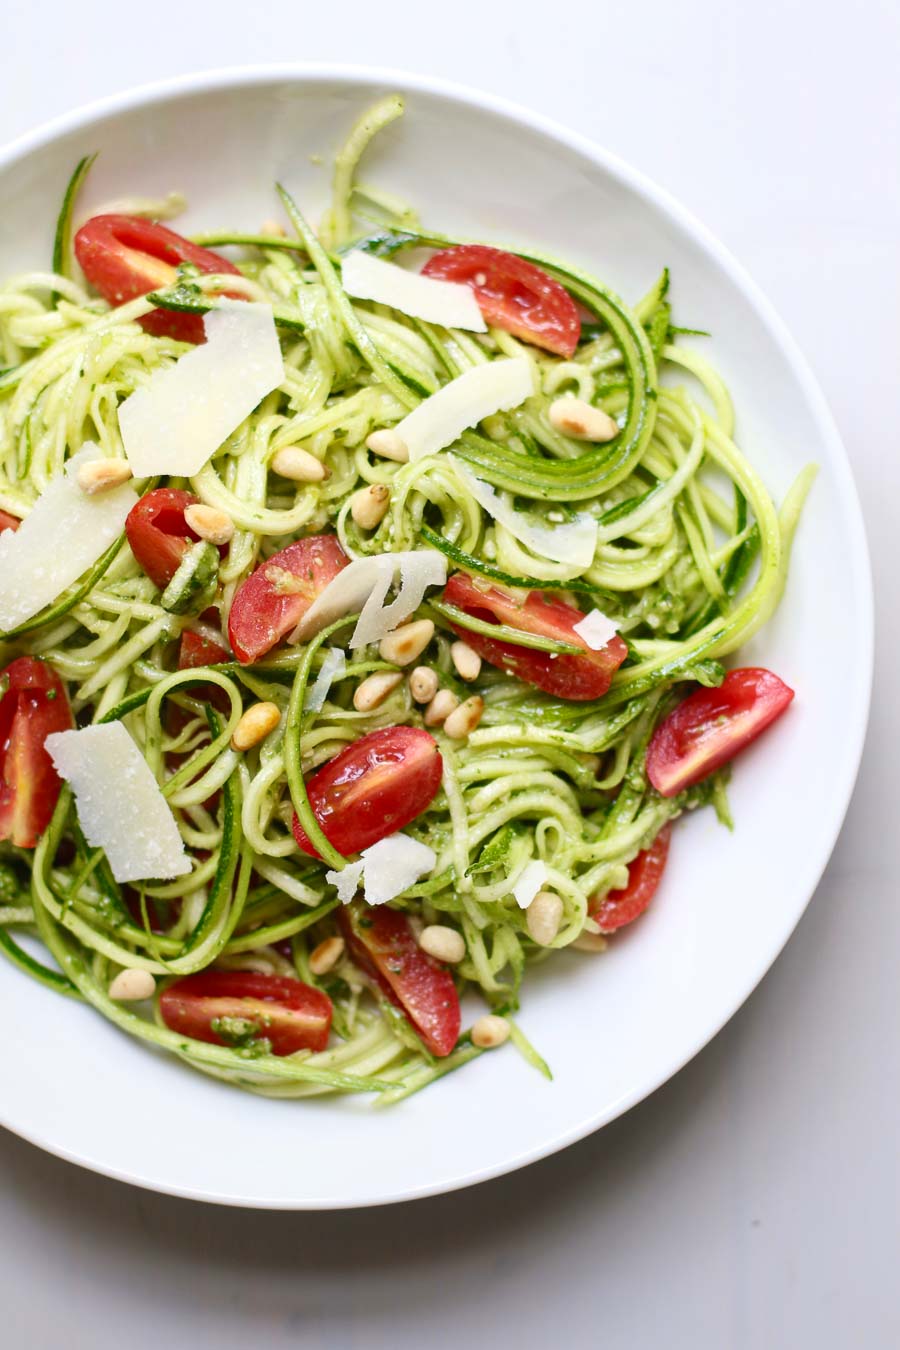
644	875
513	294
711	726
565	676
200	649
8	522
373	788
126	256
381	941
159	534
274	598
228	1007
34	705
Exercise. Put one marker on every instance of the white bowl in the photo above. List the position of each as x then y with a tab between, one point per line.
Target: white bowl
613	1027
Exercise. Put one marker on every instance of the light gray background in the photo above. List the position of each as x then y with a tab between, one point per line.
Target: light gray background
754	1202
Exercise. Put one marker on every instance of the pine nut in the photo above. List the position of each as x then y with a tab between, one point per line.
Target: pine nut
582	421
299	465
388	445
423	684
370	505
466	660
209	523
375	689
464	719
440	707
326	956
99	475
132	985
255	725
443	943
489	1031
589	942
543	917
273	227
406	643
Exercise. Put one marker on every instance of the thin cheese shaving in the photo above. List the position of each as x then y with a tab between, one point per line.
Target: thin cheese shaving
332	667
444	302
530	881
347	881
363	586
393	865
596	629
573	544
441	418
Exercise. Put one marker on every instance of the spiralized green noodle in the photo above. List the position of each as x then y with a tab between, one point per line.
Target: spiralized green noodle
691	560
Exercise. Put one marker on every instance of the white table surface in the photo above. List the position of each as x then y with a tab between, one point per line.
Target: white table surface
754	1202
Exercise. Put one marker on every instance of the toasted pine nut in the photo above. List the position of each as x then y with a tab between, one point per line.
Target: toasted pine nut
131	985
211	524
375	689
273	227
99	475
370	505
580	420
388	445
489	1031
543	917
326	956
406	643
443	943
423	684
299	465
590	942
466	660
440	707
255	725
465	718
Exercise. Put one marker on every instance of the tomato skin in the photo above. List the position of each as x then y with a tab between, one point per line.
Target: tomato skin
262	613
566	676
711	726
158	534
34	706
514	295
644	875
8	522
126	256
200	649
373	788
289	1014
381	941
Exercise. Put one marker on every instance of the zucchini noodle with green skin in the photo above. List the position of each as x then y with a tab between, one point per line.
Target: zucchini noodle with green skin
691	561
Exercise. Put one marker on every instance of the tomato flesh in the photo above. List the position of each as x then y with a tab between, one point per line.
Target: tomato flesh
34	706
8	522
644	875
373	788
126	256
225	1006
274	598
382	943
711	726
513	294
200	649
158	533
566	676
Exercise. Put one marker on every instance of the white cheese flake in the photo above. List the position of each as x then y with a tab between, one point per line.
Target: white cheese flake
596	629
180	417
530	881
478	393
347	881
120	806
64	534
362	587
331	669
573	544
445	302
393	865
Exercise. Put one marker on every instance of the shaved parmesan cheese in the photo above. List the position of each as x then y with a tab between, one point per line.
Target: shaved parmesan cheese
596	629
573	544
440	419
173	423
363	586
445	302
531	879
120	807
333	666
394	864
65	532
347	881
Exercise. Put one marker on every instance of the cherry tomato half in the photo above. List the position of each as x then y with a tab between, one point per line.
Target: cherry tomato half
373	788
126	256
274	598
711	726
644	875
382	943
225	1007
158	533
200	649
565	676
8	522
513	294
34	705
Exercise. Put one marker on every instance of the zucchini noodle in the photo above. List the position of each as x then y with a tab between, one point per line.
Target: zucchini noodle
691	561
